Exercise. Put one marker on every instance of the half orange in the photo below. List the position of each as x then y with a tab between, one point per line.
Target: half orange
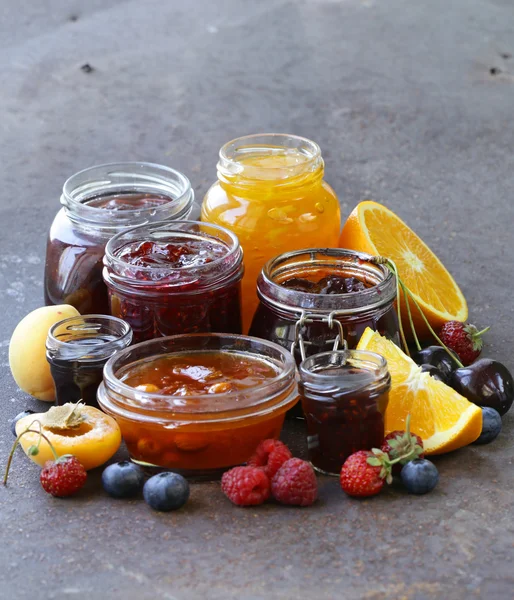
375	229
444	419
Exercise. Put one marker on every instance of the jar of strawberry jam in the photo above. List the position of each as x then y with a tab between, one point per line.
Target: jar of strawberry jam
98	203
175	277
307	295
198	404
344	395
272	194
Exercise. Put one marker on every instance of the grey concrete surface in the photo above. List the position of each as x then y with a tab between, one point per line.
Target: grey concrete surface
413	105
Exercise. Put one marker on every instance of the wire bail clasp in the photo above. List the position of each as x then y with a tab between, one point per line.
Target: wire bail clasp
332	323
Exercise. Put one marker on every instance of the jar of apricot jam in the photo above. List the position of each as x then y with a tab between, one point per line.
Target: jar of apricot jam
344	396
77	350
271	193
98	203
172	278
198	404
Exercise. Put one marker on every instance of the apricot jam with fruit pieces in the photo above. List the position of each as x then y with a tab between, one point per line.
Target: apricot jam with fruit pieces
271	193
173	278
201	403
344	395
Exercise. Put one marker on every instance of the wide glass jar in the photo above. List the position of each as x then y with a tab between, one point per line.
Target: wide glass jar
198	404
305	295
344	396
77	350
271	193
98	203
175	277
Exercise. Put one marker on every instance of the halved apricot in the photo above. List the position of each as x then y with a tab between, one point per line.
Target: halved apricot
93	442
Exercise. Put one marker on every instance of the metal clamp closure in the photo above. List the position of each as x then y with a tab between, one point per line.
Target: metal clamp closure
330	320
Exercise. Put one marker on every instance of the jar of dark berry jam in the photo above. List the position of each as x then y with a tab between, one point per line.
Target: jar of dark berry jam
98	203
172	278
305	295
77	350
344	395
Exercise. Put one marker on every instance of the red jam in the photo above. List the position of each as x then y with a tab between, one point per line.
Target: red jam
344	406
167	279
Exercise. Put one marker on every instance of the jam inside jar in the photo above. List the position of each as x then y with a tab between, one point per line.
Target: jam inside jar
77	350
98	203
173	278
344	396
271	193
198	404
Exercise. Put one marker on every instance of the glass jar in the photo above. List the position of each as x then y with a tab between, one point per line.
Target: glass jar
271	193
172	278
198	434
286	315
77	350
344	396
98	203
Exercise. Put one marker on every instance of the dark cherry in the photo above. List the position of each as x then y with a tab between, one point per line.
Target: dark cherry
300	285
437	357
486	383
434	372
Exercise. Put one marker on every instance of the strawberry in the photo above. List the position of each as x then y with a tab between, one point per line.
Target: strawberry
364	473
63	476
464	339
402	443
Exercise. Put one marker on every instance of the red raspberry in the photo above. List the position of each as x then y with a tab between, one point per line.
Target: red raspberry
295	483
63	477
246	486
360	478
271	455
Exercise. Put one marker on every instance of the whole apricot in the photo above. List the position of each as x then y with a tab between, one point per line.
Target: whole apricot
27	350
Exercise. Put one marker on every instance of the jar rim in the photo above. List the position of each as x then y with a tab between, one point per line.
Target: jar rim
228	402
111	259
230	155
297	302
307	365
80	323
91	181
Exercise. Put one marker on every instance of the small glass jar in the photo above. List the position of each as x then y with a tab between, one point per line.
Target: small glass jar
98	203
77	350
194	434
271	193
285	314
173	278
344	396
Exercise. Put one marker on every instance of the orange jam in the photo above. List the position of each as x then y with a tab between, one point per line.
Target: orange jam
271	193
199	410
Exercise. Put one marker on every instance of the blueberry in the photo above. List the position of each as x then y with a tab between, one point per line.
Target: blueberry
419	476
17	418
491	425
166	491
123	479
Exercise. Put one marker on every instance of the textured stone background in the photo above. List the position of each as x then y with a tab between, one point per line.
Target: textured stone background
412	104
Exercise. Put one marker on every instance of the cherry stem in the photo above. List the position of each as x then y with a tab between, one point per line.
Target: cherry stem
392	267
17	440
407	303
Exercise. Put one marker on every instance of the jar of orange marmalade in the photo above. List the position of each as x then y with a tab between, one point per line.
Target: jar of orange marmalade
271	193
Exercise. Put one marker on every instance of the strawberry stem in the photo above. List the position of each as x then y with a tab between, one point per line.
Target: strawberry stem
481	333
17	440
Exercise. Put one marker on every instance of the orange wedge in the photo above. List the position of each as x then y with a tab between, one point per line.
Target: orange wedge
444	419
375	229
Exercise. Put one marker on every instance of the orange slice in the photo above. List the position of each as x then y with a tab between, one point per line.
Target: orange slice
444	419
375	229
